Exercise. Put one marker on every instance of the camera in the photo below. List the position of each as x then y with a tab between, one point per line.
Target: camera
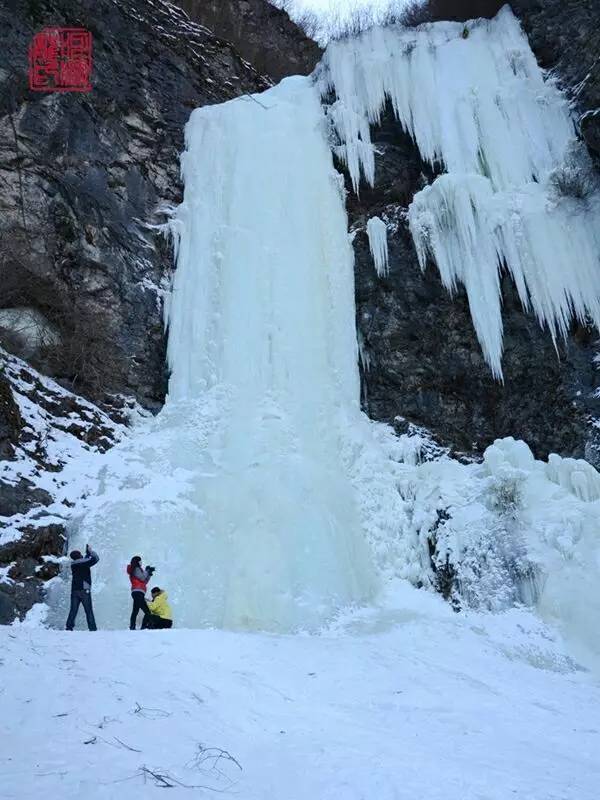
151	570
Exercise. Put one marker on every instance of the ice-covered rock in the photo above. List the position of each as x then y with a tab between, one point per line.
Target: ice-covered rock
480	108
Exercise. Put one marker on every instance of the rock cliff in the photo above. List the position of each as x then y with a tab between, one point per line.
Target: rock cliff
86	175
263	34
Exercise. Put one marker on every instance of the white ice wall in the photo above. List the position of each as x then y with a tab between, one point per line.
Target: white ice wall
256	523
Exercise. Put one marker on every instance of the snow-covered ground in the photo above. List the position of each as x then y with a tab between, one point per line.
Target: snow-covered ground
417	703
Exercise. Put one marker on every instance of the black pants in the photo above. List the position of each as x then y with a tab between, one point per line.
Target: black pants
139	604
154	621
81	597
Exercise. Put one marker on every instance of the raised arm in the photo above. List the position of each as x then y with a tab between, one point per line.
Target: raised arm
90	558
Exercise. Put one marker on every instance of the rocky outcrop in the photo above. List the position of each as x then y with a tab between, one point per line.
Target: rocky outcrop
263	34
10	419
86	175
32	560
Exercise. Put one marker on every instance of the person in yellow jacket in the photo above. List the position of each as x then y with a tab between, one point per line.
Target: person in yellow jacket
160	615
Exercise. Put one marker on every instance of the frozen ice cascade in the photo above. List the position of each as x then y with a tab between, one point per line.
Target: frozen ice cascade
261	493
477	104
242	491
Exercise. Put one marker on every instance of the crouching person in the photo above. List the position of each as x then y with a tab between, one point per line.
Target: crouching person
160	615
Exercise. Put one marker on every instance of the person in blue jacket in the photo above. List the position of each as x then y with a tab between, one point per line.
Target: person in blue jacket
81	586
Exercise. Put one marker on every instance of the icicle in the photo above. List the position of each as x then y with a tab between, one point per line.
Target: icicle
478	105
481	107
551	251
377	233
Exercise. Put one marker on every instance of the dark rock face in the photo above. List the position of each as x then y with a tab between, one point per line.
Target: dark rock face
420	356
565	36
30	567
264	35
21	497
10	419
84	174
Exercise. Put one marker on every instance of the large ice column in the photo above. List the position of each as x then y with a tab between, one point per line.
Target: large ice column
263	293
478	106
255	524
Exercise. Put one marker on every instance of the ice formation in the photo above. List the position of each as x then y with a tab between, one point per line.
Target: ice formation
377	233
263	496
478	106
267	532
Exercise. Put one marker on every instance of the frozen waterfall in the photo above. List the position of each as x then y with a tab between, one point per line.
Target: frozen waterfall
477	105
261	493
255	523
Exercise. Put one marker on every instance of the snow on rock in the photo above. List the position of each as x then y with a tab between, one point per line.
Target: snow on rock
479	106
377	233
55	428
51	439
521	530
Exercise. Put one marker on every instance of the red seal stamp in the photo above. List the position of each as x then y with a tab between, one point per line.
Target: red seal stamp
60	60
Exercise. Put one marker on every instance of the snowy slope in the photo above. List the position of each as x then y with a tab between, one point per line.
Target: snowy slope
57	429
402	704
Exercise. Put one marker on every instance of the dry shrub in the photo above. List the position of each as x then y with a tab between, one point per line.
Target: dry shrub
458	10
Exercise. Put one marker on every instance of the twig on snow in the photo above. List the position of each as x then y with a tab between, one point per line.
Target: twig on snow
126	746
166	781
206	755
150	713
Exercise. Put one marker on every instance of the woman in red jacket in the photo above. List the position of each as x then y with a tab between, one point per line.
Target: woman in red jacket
138	577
